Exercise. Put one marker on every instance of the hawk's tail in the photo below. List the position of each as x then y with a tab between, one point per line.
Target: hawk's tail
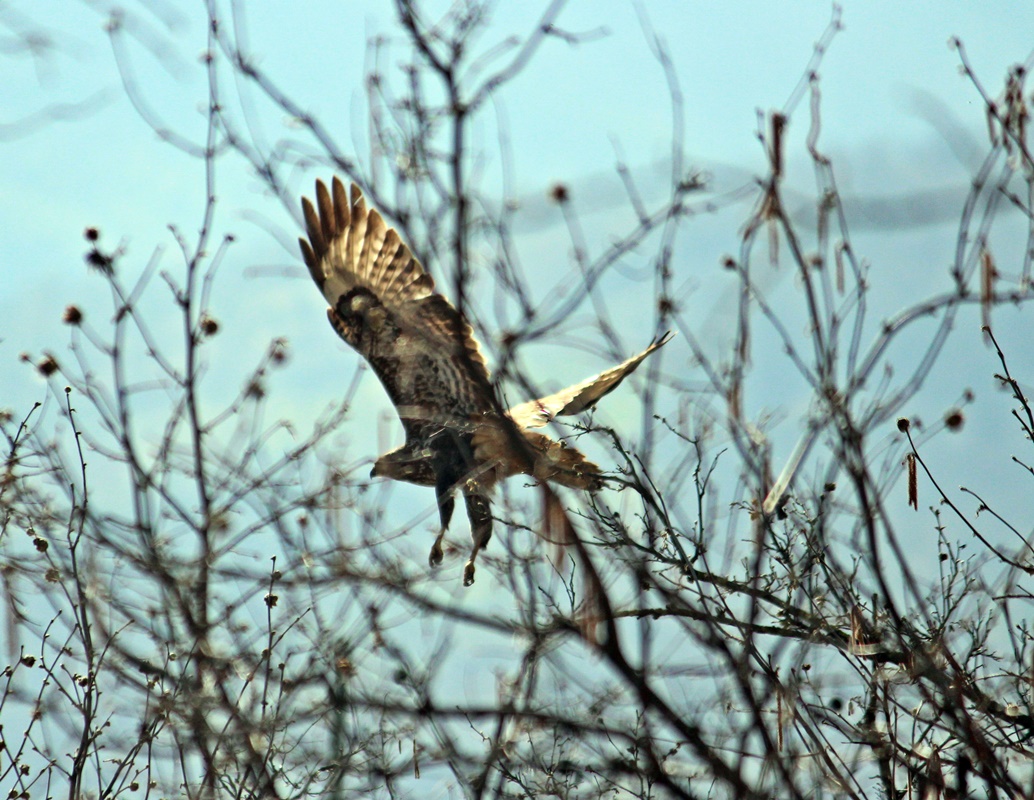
560	463
544	458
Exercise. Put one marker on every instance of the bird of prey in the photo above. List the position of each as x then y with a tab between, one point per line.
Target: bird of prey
458	436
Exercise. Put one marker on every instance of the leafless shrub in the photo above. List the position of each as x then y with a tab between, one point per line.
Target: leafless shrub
202	601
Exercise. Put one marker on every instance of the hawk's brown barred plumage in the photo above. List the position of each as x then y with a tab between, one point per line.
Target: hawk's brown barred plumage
383	304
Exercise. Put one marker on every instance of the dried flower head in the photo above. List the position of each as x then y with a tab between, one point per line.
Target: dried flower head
255	390
95	258
209	326
47	365
72	315
278	351
559	193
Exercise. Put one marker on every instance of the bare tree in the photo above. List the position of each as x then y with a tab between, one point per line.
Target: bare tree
202	599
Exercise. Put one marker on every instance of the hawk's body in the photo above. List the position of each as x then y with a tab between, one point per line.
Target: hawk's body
383	304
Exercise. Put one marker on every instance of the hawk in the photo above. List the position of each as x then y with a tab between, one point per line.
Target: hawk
458	437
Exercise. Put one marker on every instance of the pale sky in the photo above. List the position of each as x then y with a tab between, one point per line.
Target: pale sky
886	75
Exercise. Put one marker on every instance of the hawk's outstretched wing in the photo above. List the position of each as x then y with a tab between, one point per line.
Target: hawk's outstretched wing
577	398
383	303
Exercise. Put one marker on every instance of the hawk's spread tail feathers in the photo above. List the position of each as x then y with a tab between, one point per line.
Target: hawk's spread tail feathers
548	459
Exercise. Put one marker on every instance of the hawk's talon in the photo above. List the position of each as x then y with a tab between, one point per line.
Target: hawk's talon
436	555
468	573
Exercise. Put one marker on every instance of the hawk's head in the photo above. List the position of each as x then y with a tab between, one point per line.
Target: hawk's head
405	464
